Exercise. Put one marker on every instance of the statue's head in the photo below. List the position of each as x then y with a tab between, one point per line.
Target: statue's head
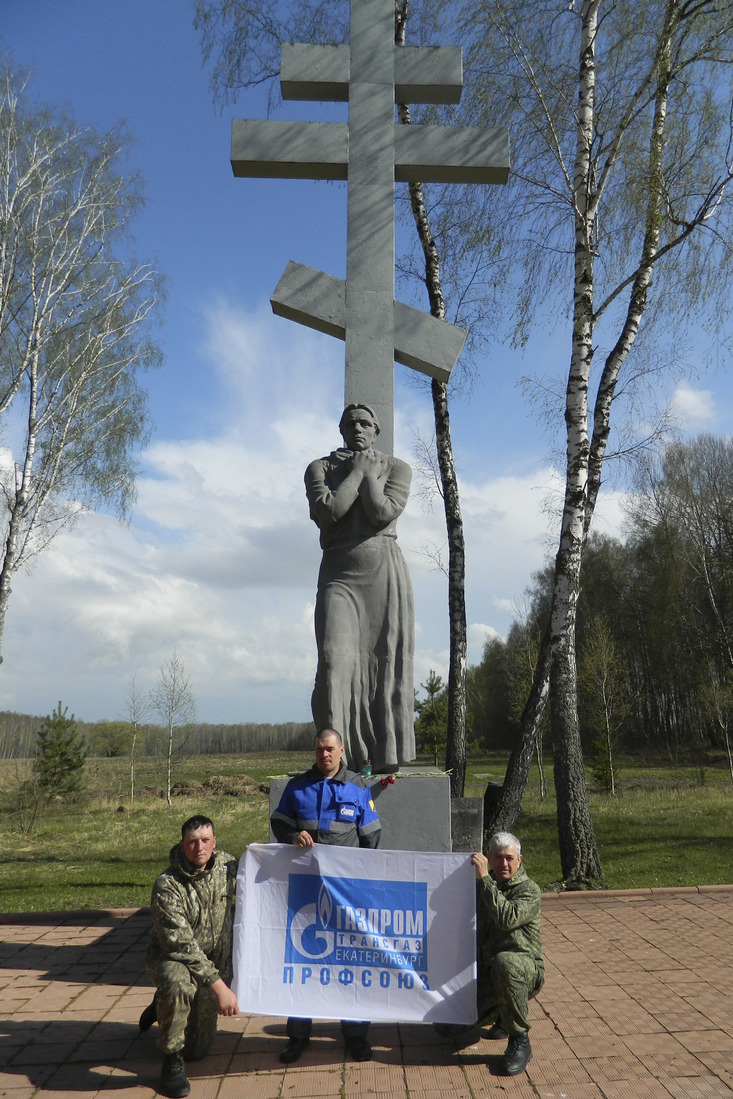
352	413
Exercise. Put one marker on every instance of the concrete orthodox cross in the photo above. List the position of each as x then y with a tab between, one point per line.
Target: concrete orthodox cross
372	152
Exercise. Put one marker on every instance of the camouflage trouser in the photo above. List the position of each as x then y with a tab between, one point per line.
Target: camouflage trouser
505	988
186	1011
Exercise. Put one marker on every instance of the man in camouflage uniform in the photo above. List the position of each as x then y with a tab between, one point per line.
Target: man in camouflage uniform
189	955
510	966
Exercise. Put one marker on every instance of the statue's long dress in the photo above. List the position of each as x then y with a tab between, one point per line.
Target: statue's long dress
365	620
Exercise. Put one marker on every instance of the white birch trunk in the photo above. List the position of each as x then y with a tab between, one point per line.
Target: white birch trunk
18	496
578	852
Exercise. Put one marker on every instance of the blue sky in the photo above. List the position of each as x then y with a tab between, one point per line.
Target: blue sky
220	558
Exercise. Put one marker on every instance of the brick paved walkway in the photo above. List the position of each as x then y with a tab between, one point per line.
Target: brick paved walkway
638	1003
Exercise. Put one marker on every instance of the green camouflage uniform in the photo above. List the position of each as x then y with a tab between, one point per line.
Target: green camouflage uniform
190	947
510	966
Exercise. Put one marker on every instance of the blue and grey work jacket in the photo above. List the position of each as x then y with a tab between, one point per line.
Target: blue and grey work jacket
333	810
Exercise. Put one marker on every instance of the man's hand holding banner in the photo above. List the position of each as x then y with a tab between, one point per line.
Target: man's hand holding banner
349	933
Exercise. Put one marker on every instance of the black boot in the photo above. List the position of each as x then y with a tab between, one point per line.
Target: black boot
359	1048
292	1050
518	1054
173	1080
497	1033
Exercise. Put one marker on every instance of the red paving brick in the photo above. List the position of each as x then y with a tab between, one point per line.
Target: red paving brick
638	1003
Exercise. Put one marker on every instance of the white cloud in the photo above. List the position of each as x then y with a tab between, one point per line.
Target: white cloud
693	408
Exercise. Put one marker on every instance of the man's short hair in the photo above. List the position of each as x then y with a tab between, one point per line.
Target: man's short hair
328	732
194	823
500	840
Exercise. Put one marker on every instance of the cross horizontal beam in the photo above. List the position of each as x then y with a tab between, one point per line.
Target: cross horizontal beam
320	150
371	153
422	74
289	150
317	300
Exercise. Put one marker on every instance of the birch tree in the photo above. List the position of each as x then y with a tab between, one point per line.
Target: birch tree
603	683
73	327
717	697
137	705
617	219
172	700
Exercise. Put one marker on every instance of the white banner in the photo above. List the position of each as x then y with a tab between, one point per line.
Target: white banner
350	933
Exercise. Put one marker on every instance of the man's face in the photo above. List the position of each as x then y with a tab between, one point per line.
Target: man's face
505	862
198	845
328	754
358	429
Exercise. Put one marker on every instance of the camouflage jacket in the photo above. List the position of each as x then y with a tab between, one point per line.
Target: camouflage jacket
509	917
193	912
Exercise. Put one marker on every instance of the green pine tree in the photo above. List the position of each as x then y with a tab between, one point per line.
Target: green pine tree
60	755
431	727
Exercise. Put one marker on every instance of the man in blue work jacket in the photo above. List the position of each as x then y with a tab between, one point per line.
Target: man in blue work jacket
326	805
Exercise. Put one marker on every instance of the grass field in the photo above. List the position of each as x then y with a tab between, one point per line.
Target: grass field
669	826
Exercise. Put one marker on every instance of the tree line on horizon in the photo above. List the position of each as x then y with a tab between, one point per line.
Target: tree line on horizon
19	733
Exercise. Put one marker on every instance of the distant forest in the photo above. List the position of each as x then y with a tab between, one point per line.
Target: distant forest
18	733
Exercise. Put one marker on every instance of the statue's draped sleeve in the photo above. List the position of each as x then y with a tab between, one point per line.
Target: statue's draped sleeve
368	513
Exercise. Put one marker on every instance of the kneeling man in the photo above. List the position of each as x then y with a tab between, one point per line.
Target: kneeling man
189	955
510	966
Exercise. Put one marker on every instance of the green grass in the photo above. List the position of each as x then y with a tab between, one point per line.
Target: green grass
667	827
106	852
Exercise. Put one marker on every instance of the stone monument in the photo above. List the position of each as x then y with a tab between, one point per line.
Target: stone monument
371	152
364	608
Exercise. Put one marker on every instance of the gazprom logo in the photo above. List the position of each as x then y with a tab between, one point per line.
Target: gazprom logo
309	937
357	922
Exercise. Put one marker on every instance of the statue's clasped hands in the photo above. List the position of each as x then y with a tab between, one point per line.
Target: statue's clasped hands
368	462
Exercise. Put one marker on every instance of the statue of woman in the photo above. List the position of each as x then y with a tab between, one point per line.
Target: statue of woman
365	619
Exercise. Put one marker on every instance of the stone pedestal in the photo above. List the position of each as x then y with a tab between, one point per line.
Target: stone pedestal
415	810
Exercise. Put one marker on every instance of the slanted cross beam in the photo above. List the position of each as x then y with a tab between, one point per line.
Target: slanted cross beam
371	152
